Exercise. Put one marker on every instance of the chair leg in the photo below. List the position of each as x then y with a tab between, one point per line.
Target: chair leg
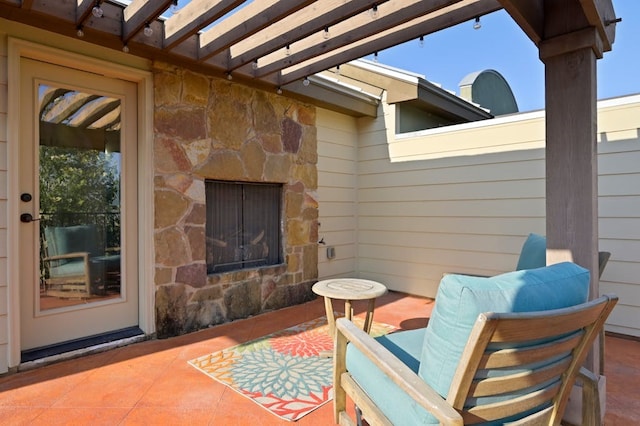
602	351
591	414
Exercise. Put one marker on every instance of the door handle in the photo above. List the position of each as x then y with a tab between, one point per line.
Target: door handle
26	218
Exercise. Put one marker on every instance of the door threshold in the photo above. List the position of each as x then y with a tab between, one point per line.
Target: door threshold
41	356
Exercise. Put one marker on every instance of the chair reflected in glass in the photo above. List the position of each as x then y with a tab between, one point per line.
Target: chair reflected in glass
76	263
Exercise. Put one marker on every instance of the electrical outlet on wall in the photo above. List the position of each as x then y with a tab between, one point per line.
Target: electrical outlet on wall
331	252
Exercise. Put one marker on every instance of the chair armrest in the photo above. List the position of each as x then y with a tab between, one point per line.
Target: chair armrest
80	255
586	375
396	370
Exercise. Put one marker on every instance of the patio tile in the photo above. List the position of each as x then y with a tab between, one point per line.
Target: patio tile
17	416
151	383
106	389
623	391
182	386
235	409
146	416
102	416
39	388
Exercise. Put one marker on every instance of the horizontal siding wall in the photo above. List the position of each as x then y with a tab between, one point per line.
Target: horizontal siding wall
420	217
337	171
619	211
463	199
4	301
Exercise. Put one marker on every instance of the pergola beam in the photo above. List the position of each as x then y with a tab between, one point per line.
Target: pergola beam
67	106
292	28
393	14
49	94
427	24
245	23
93	112
139	13
529	15
601	15
83	9
194	16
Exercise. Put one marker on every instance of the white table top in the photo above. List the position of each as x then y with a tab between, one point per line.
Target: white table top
349	289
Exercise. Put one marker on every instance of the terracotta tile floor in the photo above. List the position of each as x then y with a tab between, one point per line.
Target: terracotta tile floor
150	383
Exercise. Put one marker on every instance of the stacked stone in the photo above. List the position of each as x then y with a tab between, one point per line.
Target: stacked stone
209	128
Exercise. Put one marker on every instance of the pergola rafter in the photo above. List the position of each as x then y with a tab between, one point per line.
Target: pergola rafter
292	28
233	36
67	106
425	24
140	13
196	15
245	23
392	14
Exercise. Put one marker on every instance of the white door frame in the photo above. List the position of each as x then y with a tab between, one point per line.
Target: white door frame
19	48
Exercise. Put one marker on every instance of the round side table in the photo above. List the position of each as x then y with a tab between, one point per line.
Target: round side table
349	289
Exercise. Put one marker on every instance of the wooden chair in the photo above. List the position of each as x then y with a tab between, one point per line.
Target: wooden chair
75	261
542	351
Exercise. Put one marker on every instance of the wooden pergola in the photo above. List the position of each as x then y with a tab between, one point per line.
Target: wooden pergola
275	43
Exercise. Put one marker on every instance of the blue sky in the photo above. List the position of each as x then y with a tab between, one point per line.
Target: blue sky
449	55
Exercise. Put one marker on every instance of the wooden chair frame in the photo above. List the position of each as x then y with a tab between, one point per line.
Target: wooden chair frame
69	286
579	324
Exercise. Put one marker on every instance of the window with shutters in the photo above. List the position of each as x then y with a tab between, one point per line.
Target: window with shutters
243	225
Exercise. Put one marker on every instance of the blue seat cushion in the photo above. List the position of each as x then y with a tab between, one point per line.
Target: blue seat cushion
461	298
534	253
394	402
73	268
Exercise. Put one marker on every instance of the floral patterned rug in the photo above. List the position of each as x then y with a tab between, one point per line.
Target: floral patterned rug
283	372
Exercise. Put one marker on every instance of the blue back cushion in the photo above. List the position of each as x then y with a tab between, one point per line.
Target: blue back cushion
534	253
72	239
461	298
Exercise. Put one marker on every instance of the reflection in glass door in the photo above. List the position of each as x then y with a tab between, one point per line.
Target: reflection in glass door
79	194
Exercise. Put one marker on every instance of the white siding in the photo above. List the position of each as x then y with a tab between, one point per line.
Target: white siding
337	171
464	198
4	327
619	211
421	216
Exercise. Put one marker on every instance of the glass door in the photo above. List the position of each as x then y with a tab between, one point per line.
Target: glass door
78	139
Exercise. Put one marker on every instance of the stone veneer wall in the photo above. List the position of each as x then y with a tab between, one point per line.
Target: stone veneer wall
209	128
